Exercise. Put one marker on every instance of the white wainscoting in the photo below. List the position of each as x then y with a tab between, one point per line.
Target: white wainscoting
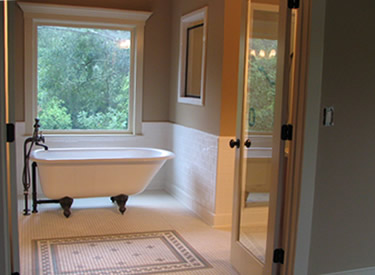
200	177
193	171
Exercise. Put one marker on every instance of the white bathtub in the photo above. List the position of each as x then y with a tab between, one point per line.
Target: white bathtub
97	172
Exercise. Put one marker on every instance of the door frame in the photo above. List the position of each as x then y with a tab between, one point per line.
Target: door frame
8	188
5	251
294	173
288	227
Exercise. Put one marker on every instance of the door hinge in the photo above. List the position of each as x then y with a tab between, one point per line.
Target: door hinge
278	256
293	4
10	132
287	132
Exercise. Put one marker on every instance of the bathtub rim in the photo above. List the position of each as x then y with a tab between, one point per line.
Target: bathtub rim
166	154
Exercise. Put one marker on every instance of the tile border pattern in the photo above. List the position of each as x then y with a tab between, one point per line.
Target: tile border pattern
182	257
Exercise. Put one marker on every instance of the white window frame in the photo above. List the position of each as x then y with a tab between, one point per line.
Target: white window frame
36	14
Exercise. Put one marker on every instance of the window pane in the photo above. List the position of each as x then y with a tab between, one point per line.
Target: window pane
83	78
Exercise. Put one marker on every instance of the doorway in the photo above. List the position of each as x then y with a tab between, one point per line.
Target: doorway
266	185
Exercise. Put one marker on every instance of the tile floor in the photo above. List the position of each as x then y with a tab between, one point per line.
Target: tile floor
149	211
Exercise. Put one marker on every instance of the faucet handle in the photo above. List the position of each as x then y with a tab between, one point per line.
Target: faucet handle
41	136
36	125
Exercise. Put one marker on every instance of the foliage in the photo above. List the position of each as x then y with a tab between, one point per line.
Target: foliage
109	120
83	78
261	86
54	115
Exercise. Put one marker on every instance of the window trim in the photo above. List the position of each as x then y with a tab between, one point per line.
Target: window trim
49	14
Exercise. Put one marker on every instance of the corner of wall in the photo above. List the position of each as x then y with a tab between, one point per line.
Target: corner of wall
305	217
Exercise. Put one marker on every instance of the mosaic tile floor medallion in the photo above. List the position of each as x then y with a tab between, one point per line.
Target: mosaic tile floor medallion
135	253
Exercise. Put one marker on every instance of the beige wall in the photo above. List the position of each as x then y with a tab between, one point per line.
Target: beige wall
232	30
343	217
156	56
207	117
157	60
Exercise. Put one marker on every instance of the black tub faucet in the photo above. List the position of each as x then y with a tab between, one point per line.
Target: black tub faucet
36	139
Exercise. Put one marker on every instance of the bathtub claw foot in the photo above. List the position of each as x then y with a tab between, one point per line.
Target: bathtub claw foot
121	201
66	203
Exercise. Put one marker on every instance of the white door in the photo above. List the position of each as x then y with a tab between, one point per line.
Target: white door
261	154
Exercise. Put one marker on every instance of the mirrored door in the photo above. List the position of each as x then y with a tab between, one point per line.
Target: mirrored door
261	157
259	101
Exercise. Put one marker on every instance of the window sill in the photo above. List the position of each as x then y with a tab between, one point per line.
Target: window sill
91	135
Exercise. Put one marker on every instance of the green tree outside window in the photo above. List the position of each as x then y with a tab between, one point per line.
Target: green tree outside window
83	78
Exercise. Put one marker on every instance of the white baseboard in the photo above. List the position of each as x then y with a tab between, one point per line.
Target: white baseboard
203	213
222	220
210	218
361	271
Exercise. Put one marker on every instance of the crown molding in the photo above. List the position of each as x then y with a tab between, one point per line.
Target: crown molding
52	9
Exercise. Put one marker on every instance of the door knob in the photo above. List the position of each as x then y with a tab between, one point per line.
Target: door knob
248	143
234	143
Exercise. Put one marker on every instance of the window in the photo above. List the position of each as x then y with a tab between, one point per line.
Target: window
83	69
83	78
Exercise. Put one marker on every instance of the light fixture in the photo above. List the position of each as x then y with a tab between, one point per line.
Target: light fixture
263	53
253	53
272	53
124	44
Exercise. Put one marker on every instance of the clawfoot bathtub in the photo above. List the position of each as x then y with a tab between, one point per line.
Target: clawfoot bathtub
69	173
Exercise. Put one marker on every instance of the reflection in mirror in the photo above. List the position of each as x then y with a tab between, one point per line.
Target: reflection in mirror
194	61
262	71
192	57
